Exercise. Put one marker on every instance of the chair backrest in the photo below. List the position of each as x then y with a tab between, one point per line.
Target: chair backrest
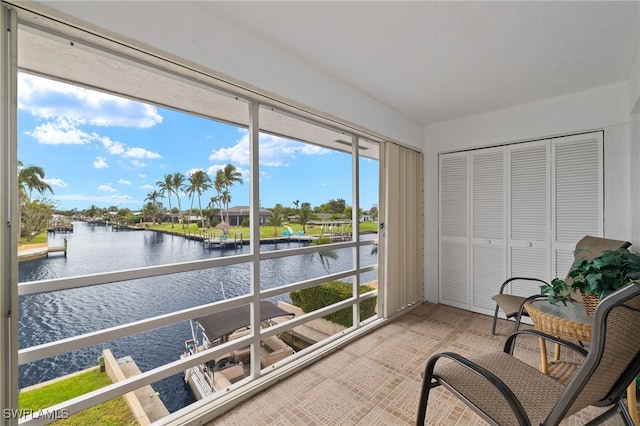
613	360
591	247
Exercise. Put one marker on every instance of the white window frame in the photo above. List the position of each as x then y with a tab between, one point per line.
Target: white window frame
202	410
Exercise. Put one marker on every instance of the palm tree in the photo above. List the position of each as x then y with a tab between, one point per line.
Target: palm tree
226	199
152	197
166	185
178	187
304	215
30	178
199	182
219	186
150	210
277	218
213	203
230	175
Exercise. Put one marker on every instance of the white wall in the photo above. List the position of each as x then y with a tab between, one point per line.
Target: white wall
190	32
634	120
600	108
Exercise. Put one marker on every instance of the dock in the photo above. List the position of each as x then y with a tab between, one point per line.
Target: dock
39	251
223	242
59	224
60	229
58	249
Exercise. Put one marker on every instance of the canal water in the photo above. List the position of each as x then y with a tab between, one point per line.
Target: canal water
91	249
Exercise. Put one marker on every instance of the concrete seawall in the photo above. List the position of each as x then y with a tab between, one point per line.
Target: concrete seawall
144	403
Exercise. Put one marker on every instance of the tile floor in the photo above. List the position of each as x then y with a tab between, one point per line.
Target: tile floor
376	379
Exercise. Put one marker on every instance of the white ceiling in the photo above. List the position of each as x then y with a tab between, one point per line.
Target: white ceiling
431	61
435	61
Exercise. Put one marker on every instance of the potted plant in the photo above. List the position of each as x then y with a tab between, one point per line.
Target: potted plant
595	279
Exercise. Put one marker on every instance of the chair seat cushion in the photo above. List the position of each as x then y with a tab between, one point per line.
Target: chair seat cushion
510	304
517	375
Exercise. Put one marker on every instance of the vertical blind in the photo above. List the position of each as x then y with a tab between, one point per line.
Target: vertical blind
403	230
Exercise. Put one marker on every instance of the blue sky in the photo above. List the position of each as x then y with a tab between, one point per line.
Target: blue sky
99	149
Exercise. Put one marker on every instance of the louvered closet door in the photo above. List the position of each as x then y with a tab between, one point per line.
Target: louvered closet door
577	183
488	213
529	221
454	230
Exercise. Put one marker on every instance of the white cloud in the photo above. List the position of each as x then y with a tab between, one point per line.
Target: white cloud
141	153
274	151
147	186
124	182
118	148
142	175
66	131
63	131
51	99
107	188
100	163
55	182
237	154
139	164
113	147
115	199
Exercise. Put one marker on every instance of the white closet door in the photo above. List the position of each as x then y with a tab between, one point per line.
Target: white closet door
488	214
529	221
454	230
577	183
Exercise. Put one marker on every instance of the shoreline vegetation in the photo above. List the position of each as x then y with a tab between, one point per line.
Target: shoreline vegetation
266	232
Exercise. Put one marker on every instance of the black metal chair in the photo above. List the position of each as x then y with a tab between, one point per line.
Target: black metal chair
504	390
513	305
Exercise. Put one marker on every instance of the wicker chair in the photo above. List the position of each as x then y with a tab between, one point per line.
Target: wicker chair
513	306
504	390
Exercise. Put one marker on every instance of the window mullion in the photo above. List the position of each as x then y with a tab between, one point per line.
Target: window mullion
9	218
254	229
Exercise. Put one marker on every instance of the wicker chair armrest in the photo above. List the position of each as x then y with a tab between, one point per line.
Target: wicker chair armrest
509	345
491	378
504	284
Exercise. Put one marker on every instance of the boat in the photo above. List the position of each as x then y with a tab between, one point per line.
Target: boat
215	329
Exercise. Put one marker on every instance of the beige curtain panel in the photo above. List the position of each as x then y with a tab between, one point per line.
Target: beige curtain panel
403	231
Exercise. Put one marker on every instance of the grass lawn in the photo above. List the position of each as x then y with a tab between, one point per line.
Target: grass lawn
40	238
114	412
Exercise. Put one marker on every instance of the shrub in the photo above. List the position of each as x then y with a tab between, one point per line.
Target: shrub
245	223
311	299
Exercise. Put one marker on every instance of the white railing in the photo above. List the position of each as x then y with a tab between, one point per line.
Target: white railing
39	352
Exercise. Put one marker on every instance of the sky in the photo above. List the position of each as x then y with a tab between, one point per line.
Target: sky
99	149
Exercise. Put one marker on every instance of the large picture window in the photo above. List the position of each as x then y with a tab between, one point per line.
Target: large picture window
201	235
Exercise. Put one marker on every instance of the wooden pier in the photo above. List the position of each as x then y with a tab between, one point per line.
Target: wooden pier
62	226
223	242
58	249
39	251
